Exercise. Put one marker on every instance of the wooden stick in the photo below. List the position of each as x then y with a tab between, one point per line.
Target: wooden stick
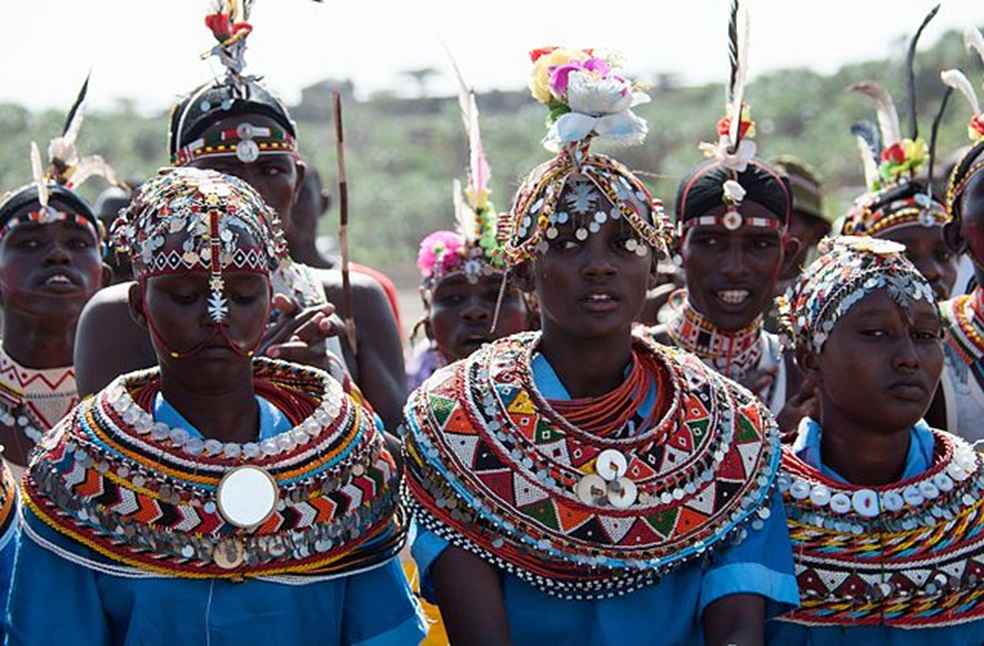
347	316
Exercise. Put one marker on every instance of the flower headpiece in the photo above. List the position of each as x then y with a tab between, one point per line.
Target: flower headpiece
474	249
588	99
236	93
967	167
847	270
894	198
186	220
587	95
65	172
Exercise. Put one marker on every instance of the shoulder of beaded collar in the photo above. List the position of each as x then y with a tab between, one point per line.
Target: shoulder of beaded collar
493	469
145	495
909	554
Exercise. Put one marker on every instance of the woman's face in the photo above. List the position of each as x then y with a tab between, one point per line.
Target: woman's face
594	287
178	306
731	275
972	218
927	250
276	177
880	366
461	314
50	270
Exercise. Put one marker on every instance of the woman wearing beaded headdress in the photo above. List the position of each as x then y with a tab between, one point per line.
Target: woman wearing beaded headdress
581	484
897	205
962	384
51	263
220	498
884	512
732	216
236	126
463	271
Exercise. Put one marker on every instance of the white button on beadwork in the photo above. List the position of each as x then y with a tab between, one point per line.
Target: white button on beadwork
611	465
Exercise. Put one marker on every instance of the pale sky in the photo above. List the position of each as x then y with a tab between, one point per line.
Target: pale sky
149	50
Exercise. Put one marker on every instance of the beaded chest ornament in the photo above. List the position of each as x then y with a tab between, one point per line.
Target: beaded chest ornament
150	497
493	468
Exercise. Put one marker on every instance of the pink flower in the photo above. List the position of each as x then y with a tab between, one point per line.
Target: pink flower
439	252
560	74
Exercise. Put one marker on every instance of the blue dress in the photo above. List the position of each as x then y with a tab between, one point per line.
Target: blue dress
667	613
781	633
56	601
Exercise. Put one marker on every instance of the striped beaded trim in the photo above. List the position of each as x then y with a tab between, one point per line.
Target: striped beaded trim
143	494
909	555
491	468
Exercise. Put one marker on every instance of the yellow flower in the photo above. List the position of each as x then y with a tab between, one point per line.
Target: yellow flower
915	151
540	78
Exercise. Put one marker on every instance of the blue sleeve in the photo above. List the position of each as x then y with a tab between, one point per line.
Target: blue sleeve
8	548
380	609
52	600
761	564
425	548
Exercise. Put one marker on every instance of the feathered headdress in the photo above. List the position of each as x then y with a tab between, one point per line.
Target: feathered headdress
65	171
474	248
892	160
735	148
66	167
955	80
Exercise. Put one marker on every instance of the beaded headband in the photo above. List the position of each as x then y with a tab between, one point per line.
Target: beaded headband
187	219
236	93
967	167
893	200
735	150
474	249
847	270
588	99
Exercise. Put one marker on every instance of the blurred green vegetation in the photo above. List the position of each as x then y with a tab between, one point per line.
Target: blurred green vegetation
403	154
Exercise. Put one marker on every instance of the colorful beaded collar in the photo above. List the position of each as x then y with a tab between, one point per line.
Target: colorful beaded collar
31	400
909	555
493	469
8	501
732	354
965	329
146	496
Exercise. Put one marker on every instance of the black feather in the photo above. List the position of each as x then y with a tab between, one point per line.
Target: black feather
932	135
78	101
910	65
733	48
871	135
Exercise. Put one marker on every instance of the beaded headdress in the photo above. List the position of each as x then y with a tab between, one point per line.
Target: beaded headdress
589	99
894	197
732	158
187	220
474	248
969	163
65	172
847	270
236	93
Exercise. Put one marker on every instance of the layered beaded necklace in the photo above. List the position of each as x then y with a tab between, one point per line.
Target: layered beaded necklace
733	354
966	334
32	400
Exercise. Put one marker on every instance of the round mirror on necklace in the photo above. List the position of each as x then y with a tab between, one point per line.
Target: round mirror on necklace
247	496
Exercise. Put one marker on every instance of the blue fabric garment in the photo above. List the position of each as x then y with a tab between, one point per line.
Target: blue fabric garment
780	633
56	601
8	549
665	614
